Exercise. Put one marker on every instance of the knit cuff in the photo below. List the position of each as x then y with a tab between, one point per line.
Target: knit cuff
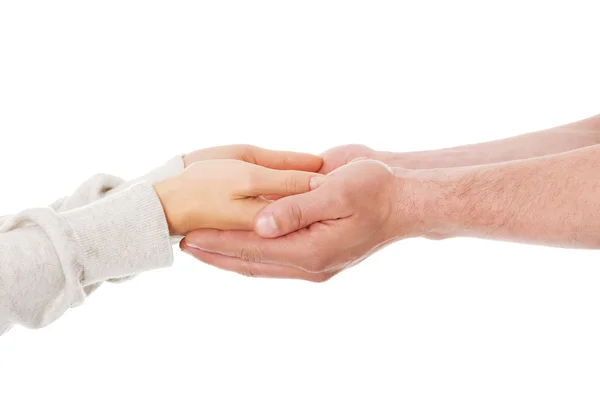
121	235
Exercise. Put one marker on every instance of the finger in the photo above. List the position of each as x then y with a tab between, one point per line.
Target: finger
284	159
293	250
266	181
292	213
253	269
242	214
272	197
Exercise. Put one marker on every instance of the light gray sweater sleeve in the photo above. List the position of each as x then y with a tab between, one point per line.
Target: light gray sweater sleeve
52	258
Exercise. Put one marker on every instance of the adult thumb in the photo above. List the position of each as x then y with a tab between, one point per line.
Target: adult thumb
292	213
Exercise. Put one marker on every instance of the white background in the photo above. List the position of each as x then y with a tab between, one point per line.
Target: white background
121	86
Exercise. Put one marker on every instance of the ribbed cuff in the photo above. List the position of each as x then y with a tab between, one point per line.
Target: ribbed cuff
121	235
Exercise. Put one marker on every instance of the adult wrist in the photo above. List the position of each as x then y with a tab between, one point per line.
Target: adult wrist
427	203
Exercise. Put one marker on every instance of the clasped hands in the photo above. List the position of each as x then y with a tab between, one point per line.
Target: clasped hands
266	213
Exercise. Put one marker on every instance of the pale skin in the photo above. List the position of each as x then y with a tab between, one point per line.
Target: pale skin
224	187
539	188
534	144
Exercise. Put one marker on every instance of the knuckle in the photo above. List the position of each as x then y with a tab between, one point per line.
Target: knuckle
250	255
295	215
249	272
244	152
291	184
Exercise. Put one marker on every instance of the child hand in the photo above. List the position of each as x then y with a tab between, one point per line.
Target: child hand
259	156
224	194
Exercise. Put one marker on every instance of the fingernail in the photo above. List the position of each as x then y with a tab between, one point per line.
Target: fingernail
316	181
266	225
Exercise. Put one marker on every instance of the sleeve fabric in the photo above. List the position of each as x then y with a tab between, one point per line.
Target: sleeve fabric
52	258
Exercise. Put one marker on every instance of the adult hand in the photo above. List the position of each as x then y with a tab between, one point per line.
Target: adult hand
337	157
256	155
224	194
356	210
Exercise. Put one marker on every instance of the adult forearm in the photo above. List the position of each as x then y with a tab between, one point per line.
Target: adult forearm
552	200
535	144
